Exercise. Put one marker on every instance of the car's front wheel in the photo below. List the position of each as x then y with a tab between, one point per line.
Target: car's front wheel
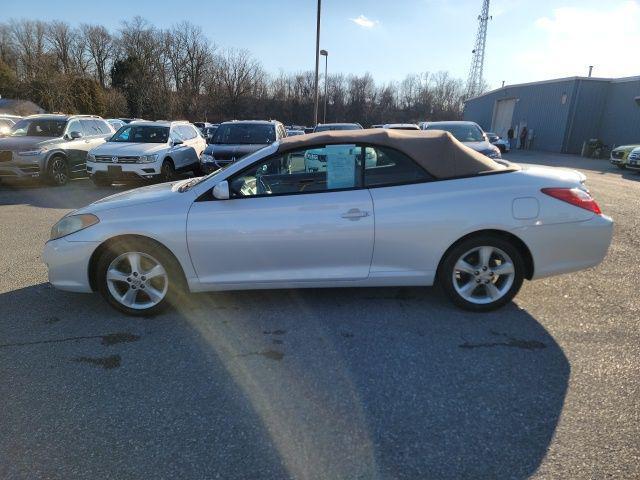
138	277
58	171
482	273
167	171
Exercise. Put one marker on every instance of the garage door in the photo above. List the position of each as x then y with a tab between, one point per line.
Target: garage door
503	116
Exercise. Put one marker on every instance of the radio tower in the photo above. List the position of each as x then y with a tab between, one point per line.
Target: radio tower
474	82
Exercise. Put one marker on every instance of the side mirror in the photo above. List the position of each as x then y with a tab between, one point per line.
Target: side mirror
177	141
74	135
221	191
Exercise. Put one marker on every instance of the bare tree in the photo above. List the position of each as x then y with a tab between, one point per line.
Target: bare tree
99	44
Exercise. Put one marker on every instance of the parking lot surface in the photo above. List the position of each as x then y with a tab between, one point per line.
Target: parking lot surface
321	384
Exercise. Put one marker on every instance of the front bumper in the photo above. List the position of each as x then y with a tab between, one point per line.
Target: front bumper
22	167
68	264
124	171
633	164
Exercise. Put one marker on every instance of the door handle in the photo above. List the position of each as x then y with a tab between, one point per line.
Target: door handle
355	214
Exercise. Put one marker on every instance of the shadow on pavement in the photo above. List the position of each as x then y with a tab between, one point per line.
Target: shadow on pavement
350	383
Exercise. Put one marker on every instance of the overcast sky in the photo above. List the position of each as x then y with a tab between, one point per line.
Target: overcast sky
527	39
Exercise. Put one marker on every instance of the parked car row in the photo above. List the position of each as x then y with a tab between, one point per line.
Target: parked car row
626	156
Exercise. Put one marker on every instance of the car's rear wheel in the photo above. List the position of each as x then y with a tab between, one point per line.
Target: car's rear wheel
138	278
167	171
58	171
482	273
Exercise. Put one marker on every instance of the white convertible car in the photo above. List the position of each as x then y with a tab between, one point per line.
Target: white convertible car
429	209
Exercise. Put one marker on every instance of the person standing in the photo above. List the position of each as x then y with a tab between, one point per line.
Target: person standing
510	137
523	138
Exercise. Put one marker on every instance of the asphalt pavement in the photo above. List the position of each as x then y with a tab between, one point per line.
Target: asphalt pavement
388	383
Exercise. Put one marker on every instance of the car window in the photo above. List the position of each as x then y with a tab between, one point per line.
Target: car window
245	133
463	132
89	128
75	126
141	134
186	132
321	169
102	126
38	127
386	166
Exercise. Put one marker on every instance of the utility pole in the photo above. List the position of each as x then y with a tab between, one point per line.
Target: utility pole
475	80
315	104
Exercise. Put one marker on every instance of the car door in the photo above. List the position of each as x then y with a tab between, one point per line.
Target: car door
194	141
76	148
409	216
286	225
178	152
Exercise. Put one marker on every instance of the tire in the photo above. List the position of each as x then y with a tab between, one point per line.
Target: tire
471	286
167	171
125	286
58	171
100	182
502	149
620	166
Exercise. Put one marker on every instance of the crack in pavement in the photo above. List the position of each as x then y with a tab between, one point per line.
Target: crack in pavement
108	340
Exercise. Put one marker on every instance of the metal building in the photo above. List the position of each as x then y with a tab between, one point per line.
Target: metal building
561	114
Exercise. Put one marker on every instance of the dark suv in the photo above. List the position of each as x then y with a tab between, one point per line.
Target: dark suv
53	147
233	140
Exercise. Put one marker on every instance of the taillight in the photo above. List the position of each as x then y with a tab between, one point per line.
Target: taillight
574	196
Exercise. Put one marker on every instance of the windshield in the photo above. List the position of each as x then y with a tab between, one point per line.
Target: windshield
342	126
464	132
141	134
38	127
245	134
197	180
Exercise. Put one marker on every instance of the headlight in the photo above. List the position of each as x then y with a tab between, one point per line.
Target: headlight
91	158
72	224
206	158
30	153
311	156
147	158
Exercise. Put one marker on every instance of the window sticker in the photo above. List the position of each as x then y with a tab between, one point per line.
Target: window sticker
341	166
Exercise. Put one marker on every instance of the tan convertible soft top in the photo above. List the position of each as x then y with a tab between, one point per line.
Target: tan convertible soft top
436	150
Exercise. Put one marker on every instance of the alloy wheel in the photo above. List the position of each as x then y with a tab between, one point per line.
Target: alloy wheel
59	171
483	275
137	280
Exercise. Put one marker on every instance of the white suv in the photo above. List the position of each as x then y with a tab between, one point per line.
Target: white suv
147	150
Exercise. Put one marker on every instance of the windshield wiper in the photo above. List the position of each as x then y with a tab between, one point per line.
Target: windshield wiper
186	186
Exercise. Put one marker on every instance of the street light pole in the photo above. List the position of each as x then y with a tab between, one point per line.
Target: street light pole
325	54
315	106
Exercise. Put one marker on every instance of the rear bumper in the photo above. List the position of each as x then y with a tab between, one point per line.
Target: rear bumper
68	264
568	247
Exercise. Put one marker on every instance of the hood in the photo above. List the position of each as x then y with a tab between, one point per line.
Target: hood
481	147
226	151
26	143
626	148
137	196
128	149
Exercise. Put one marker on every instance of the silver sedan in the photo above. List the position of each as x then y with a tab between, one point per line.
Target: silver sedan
429	210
